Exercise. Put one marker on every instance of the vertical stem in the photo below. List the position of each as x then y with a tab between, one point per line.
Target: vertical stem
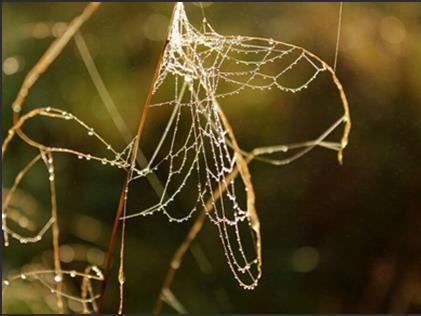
135	148
338	36
58	277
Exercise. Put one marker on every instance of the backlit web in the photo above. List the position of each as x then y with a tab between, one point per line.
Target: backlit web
204	67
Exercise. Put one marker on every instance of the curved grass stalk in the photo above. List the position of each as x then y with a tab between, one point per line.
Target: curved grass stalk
31	78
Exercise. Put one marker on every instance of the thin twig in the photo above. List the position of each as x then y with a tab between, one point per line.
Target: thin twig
338	36
58	277
50	55
132	162
86	289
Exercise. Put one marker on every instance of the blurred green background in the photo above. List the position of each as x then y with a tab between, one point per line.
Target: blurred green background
335	238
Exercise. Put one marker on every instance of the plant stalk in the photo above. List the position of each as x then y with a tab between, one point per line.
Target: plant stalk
135	148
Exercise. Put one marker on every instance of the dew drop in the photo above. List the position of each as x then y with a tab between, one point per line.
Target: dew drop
58	278
16	108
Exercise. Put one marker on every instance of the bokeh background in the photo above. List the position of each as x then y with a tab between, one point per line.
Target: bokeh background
335	238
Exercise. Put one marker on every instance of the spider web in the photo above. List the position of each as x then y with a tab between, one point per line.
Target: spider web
197	153
205	67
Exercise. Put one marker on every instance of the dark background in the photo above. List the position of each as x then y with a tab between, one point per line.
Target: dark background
335	238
